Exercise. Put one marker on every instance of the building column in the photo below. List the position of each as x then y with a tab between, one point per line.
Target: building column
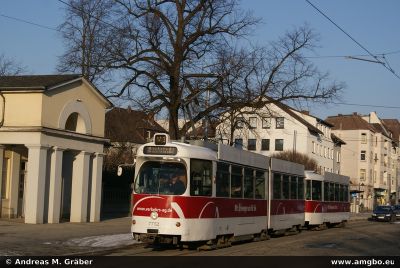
15	168
95	202
55	185
80	187
1	176
36	183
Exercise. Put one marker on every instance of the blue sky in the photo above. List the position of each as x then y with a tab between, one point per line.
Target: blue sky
373	23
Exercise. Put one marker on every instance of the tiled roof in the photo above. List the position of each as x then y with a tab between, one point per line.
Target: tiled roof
126	125
349	122
34	81
394	126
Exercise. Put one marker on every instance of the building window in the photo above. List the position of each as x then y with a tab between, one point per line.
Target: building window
265	145
364	138
253	122
266	122
251	144
313	147
239	143
280	122
279	145
363	155
362	174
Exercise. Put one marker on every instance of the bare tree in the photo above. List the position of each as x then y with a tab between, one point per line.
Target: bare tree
166	43
173	53
86	32
308	162
9	66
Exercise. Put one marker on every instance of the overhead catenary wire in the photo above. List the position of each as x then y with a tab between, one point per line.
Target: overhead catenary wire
29	22
354	40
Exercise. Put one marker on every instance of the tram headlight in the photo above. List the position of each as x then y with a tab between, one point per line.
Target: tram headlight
178	224
387	215
373	214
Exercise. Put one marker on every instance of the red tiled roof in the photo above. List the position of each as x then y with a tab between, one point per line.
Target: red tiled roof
349	122
126	125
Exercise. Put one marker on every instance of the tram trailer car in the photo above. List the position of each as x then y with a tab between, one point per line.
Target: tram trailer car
327	200
287	196
222	193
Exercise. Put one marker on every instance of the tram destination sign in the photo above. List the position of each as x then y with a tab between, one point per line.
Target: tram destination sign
160	150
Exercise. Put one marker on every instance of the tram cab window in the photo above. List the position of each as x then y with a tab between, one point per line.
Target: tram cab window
260	185
161	178
200	177
248	183
293	187
308	189
285	187
326	191
300	188
316	190
236	182
222	181
277	186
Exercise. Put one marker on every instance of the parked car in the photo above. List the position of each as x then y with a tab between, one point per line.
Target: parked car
396	209
384	213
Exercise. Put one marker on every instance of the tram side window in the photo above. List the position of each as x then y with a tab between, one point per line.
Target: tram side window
326	191
337	192
248	183
331	191
300	188
260	185
308	189
200	177
293	187
222	183
341	192
277	186
316	190
346	193
236	182
285	187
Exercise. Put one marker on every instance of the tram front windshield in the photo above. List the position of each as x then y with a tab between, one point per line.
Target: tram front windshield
161	178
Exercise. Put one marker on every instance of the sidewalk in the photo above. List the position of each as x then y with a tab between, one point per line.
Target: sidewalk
17	238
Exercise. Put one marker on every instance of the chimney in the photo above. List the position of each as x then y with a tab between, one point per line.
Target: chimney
305	112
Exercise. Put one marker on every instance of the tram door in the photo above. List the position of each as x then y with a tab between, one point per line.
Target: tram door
21	189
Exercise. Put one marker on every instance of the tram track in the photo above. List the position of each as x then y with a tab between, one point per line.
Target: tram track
355	237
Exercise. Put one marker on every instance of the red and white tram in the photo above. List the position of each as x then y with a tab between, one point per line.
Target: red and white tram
218	194
327	199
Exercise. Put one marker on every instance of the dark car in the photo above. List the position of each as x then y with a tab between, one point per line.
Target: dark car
396	209
383	213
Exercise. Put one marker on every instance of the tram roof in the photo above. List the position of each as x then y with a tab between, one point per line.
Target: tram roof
328	176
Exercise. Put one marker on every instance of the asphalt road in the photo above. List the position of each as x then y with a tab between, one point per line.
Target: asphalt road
358	238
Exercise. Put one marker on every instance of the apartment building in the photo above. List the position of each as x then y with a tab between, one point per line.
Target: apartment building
278	127
369	157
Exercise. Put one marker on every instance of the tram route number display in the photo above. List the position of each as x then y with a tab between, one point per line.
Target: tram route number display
160	150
